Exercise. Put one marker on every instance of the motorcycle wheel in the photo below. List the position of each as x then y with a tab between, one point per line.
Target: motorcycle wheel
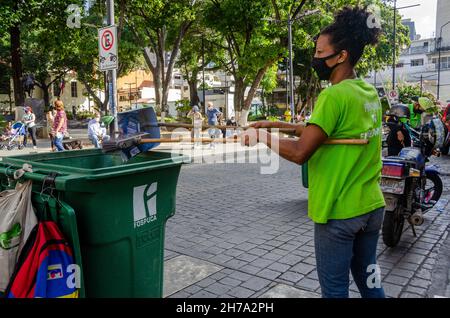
437	187
393	226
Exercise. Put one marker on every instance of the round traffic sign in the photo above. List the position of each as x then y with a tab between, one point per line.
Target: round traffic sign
107	40
393	94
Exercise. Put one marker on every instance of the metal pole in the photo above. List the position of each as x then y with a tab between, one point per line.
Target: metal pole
203	72
287	83
226	96
393	51
112	74
291	71
130	93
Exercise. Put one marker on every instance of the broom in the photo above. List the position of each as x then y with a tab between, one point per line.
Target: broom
128	145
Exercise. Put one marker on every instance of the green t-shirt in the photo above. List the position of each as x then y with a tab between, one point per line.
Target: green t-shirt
414	119
344	179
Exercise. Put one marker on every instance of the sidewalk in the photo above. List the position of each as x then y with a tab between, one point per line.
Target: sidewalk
237	233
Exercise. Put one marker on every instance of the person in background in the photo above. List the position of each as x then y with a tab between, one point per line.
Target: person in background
59	125
229	131
213	119
197	121
446	116
8	131
29	120
50	116
287	116
97	131
417	108
398	137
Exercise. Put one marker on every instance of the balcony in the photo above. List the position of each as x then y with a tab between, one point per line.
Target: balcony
418	50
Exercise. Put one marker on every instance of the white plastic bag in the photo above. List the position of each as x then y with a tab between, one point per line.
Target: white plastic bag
17	219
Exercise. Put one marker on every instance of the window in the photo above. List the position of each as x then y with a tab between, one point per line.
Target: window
177	87
425	44
445	62
177	77
74	89
186	88
417	62
399	64
434	60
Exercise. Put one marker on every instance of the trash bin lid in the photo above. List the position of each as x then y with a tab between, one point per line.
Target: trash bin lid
107	120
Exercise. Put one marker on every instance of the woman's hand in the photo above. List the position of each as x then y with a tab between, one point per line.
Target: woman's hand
263	124
250	137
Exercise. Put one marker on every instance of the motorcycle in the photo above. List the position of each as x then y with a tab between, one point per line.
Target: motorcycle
410	187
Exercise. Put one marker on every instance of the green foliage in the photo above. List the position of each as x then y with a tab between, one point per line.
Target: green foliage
204	86
256	117
183	106
3	122
85	115
407	91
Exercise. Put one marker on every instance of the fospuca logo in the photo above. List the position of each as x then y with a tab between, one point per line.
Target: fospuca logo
144	204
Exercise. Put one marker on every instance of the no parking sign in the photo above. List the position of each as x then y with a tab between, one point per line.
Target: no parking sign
107	44
393	96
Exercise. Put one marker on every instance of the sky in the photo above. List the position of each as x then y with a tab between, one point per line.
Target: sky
424	16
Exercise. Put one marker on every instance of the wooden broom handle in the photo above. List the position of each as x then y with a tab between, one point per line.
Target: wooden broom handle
224	140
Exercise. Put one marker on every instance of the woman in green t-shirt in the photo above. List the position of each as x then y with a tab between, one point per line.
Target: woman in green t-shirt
345	201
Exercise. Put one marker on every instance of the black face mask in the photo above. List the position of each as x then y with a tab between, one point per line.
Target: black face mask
323	71
418	111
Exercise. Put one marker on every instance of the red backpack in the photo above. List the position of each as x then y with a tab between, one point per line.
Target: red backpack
45	268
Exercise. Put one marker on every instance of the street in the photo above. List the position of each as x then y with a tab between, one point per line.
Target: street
237	233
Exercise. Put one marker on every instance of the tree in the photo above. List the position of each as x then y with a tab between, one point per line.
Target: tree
252	45
374	58
14	16
190	61
83	49
159	26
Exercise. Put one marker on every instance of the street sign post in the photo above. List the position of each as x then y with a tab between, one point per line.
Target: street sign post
393	96
107	45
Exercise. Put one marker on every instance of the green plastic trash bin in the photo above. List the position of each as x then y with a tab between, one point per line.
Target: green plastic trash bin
121	211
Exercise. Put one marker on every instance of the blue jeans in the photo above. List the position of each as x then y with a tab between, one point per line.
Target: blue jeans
96	142
344	245
58	144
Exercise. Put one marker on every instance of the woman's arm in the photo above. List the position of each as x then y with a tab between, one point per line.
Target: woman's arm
295	150
60	124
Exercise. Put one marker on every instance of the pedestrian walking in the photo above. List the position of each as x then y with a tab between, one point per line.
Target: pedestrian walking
345	200
29	120
213	115
59	125
197	122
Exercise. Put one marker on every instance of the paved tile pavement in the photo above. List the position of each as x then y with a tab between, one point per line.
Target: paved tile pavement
255	227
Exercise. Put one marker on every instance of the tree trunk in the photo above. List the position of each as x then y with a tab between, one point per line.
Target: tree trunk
193	92
158	93
164	100
256	82
239	92
46	96
16	65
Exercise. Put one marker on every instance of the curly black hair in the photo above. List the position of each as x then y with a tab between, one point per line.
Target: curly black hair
351	32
